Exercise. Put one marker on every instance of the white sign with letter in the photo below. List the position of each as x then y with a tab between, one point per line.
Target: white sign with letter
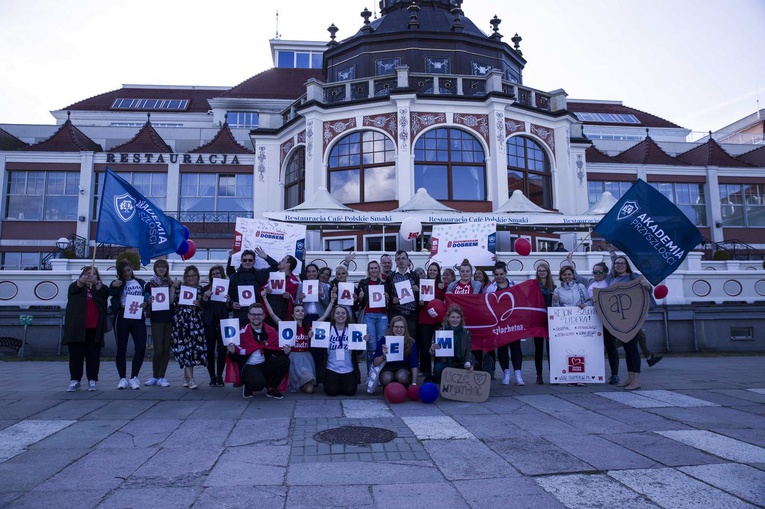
345	294
133	310
404	292
187	295
229	331
320	334
219	289
445	342
287	333
427	290
356	333
376	296
395	348
276	282
161	300
246	295
311	291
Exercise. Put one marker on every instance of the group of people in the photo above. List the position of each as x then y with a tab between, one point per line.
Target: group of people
190	328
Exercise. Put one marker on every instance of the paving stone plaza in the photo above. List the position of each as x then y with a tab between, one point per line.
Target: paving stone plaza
694	436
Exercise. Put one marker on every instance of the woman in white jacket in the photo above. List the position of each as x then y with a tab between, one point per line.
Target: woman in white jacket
570	293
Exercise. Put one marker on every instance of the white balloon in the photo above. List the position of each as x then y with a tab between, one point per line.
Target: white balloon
410	228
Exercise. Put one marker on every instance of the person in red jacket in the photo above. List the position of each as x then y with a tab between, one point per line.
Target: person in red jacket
261	362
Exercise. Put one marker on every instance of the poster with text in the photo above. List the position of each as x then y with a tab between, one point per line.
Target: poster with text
275	238
576	345
452	243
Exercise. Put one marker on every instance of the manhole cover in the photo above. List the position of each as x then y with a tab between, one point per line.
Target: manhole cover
355	435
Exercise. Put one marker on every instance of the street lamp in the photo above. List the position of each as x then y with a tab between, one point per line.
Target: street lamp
63	243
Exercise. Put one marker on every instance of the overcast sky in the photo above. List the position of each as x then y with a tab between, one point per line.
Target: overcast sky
697	63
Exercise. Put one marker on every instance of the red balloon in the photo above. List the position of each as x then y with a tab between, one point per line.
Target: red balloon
660	291
413	392
395	392
522	247
192	249
437	309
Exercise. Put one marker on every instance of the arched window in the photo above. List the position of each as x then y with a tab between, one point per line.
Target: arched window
294	179
362	168
528	169
449	163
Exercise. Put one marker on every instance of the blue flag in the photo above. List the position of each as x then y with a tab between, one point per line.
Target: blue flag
127	218
650	230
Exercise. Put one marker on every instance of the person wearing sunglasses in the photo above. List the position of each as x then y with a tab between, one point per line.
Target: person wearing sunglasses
248	275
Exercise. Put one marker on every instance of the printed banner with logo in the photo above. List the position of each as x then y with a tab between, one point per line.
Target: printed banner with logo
276	239
452	243
499	318
576	346
650	230
127	218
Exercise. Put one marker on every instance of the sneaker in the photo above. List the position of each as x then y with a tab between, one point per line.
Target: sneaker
274	393
506	378
518	377
186	382
135	383
246	392
151	381
74	385
613	380
162	382
193	384
653	359
91	385
123	384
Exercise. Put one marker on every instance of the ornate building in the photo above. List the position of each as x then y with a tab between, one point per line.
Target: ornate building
417	98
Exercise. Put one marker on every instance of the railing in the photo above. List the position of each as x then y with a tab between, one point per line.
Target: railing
210	224
735	249
78	247
722	137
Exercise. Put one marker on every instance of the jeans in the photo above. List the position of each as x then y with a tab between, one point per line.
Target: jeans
377	326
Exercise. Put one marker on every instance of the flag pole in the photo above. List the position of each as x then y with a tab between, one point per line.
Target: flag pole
582	241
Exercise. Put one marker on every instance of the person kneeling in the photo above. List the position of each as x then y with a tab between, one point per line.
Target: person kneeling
405	371
261	362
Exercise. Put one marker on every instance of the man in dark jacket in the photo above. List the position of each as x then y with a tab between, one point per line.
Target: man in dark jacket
248	275
409	310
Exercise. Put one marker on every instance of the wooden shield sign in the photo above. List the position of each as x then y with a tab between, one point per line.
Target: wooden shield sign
464	385
622	308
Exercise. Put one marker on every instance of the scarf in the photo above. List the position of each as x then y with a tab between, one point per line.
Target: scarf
159	282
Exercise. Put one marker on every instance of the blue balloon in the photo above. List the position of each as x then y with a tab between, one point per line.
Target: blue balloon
183	248
185	233
428	392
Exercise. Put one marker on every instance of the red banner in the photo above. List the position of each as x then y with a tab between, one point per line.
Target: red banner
496	319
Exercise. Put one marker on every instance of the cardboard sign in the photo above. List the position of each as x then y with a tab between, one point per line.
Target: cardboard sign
395	348
345	294
219	289
161	300
376	296
464	385
576	345
452	243
445	341
311	291
246	295
356	333
427	290
404	292
229	331
287	333
187	295
277	282
320	334
276	238
133	310
622	308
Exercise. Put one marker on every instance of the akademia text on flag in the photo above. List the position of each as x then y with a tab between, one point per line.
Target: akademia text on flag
650	230
127	218
498	318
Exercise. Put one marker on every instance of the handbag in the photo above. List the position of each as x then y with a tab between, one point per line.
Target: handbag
373	378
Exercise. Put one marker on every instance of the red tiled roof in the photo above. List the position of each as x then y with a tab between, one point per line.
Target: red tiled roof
593	155
223	143
710	154
754	157
275	83
648	152
197	98
646	119
67	139
10	142
147	140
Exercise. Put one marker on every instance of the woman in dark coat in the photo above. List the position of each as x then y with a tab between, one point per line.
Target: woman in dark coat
84	327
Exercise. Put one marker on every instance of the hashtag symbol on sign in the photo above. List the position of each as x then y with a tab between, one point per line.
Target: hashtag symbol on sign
134	307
